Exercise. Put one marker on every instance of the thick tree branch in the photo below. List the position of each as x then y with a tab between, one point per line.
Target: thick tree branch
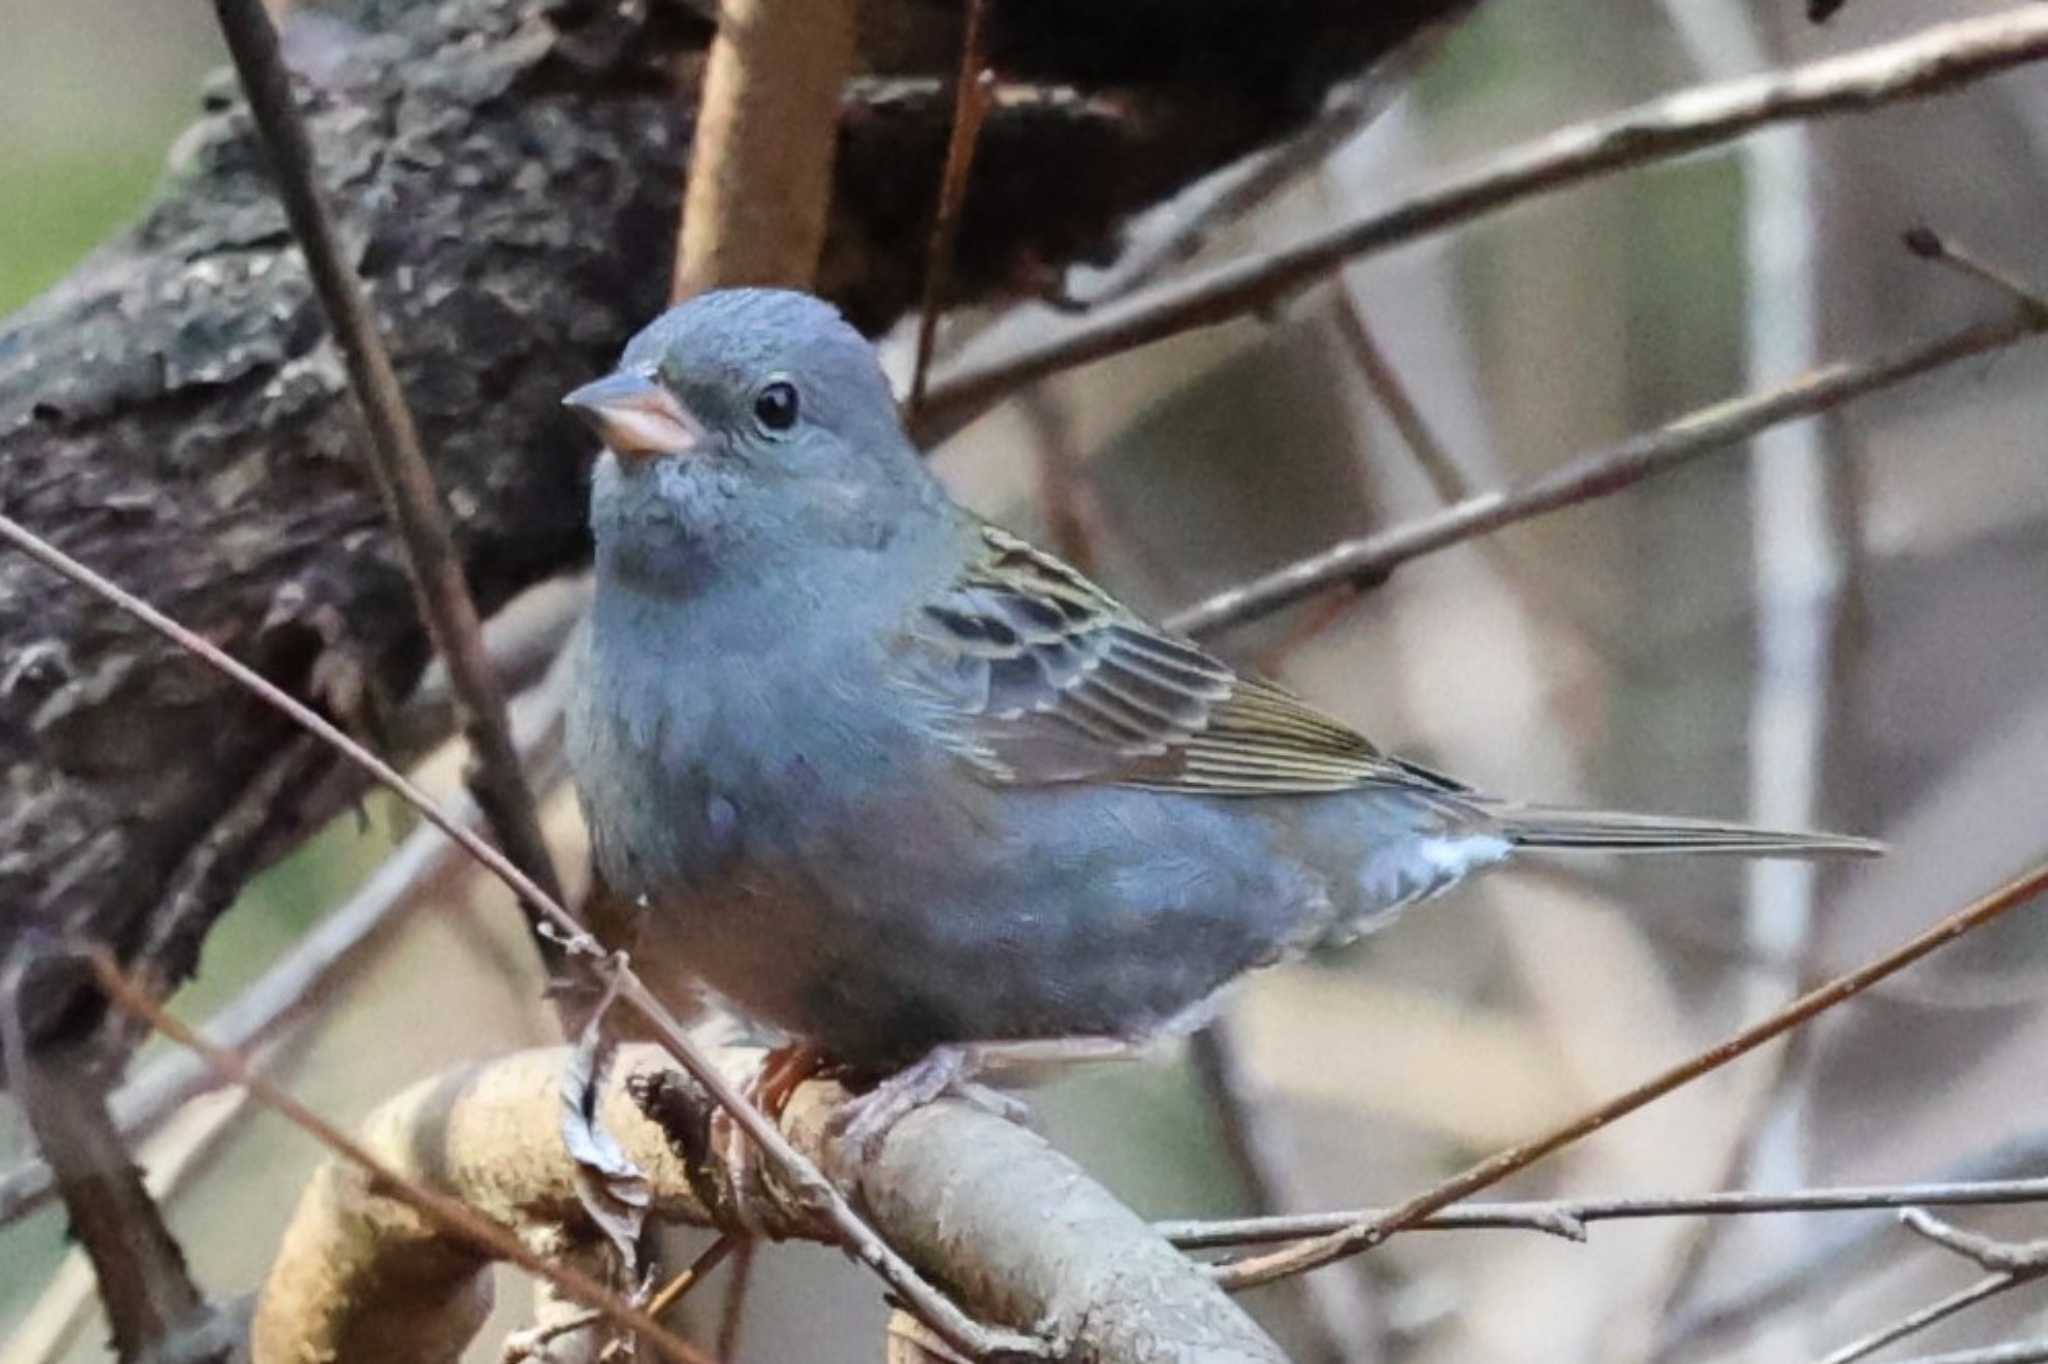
1018	1231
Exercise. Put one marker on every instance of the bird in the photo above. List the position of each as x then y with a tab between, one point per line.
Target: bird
918	795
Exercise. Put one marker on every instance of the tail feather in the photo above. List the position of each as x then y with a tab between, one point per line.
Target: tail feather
1615	831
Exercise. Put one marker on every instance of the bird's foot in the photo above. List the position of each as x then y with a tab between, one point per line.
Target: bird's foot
769	1090
945	1071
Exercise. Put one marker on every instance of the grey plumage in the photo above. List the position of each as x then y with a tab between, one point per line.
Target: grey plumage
897	779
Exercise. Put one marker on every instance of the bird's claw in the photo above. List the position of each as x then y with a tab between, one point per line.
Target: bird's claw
859	1126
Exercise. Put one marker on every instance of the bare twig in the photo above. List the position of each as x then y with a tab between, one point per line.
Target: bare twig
803	1176
1369	558
2012	1352
710	1258
2006	1166
2011	1265
1931	62
1986	1252
760	188
972	91
1437	462
1569	1217
1928	244
1922	1318
396	457
1370	1232
147	1291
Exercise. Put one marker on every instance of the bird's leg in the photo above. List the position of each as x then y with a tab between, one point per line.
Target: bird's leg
951	1070
768	1089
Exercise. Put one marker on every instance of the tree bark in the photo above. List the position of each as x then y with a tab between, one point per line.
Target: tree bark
507	173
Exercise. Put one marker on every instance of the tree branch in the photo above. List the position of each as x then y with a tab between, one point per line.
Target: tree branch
1370	558
1569	1217
1020	1232
1932	62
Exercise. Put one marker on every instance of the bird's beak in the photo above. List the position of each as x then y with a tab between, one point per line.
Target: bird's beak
636	416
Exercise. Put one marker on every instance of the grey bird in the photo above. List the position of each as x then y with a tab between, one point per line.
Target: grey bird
913	791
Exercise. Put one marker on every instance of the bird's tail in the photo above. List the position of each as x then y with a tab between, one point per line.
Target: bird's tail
1614	831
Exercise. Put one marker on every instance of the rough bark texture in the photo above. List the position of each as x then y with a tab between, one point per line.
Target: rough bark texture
508	175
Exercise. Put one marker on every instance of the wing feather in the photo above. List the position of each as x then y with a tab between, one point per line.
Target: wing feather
1035	675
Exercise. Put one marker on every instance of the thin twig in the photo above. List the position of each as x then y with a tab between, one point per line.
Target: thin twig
1438	463
2006	1166
802	1176
1985	1252
1371	557
1916	1321
972	91
396	457
1569	1217
2011	1264
1369	1232
2012	1352
1928	244
1935	60
450	1214
710	1258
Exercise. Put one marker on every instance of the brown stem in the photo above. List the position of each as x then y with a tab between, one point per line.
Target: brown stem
971	96
760	187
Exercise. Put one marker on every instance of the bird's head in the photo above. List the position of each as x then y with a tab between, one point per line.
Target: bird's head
747	423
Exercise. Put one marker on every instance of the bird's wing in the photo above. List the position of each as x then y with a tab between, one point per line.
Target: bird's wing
1035	675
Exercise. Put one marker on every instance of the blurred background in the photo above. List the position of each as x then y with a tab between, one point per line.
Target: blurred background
1848	631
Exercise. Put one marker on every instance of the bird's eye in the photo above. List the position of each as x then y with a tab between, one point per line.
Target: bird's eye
775	406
